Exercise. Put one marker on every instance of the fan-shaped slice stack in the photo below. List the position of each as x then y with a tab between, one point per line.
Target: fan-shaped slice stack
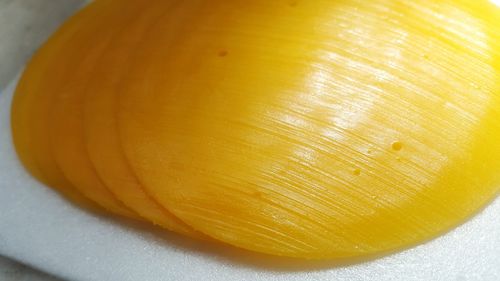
42	79
314	129
101	132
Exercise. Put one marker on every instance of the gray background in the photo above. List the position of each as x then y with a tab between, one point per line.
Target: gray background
24	25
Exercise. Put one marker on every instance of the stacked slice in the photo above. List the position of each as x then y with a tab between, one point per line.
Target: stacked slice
315	129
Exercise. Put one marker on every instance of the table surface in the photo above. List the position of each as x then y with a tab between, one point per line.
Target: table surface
24	25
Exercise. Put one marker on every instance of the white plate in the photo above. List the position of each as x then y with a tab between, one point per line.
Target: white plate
39	228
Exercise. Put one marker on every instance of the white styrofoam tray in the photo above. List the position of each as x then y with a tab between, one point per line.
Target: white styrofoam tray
39	228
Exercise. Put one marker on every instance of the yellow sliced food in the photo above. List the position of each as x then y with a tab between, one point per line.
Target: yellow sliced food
66	111
101	134
317	129
64	64
28	111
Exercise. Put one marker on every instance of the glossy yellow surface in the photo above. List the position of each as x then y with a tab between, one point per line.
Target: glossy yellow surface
51	120
311	129
29	112
318	129
66	129
101	132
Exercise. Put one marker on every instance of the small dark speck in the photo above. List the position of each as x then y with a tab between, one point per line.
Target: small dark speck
292	3
397	146
356	172
223	53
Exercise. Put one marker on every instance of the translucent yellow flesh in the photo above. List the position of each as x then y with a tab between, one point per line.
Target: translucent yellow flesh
56	69
29	111
101	134
66	111
317	129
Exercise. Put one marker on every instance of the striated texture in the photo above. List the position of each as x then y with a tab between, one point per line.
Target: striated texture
317	129
101	133
29	112
43	118
314	129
